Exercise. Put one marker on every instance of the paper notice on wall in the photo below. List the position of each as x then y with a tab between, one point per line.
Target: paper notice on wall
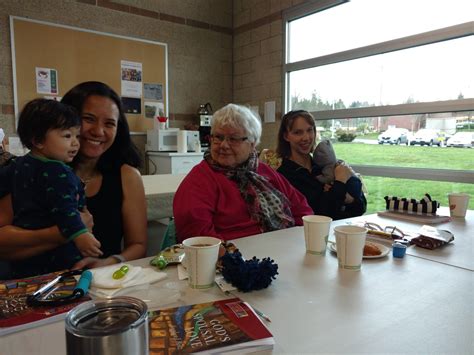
153	91
131	73
46	81
132	105
153	109
269	112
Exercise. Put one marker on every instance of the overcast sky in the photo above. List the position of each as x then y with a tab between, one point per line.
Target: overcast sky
426	73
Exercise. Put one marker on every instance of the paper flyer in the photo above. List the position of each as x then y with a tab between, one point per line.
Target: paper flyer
153	109
46	81
131	75
153	91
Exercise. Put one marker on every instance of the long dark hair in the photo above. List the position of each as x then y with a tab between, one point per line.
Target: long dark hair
123	150
283	147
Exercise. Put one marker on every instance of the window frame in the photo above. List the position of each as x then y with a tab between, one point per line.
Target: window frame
419	39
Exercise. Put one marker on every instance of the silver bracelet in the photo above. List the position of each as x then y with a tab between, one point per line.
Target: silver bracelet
119	257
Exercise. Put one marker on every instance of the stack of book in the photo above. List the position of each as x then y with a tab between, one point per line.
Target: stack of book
225	326
16	314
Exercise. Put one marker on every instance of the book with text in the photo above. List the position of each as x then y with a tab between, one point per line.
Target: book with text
16	314
224	326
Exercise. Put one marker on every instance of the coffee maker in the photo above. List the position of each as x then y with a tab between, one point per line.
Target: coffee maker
205	121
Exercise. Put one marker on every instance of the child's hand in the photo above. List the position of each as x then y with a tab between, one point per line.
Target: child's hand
88	245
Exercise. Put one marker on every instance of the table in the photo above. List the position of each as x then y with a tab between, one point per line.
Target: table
457	253
412	305
159	192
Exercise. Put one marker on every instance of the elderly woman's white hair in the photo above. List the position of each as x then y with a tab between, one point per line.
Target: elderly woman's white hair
237	116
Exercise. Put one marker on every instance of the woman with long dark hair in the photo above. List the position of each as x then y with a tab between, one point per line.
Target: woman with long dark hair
107	164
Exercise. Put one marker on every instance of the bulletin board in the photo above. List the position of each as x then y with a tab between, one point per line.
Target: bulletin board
77	55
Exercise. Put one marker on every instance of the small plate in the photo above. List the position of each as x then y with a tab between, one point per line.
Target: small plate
385	250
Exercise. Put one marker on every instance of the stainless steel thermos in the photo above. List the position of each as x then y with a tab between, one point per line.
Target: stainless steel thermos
111	326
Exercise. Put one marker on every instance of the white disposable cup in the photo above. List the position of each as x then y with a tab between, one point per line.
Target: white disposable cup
350	241
200	260
316	232
458	204
182	141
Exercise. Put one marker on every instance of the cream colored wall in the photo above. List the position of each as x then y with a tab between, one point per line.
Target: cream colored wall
219	51
258	57
198	34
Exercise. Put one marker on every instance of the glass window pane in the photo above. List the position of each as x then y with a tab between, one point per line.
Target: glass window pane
379	187
421	141
363	22
441	71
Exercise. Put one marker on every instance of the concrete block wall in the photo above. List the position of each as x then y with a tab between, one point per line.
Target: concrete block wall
258	58
220	51
198	34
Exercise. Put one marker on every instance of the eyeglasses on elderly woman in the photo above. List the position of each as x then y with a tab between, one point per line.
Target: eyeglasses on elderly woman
233	141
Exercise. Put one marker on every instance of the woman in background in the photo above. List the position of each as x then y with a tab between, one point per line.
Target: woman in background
296	142
230	194
107	164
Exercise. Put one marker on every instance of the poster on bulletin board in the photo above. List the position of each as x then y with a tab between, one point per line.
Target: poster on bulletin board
46	81
51	67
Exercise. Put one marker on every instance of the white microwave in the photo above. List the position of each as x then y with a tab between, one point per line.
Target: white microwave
166	140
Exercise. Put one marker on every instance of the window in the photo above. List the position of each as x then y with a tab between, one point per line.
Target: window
360	23
367	67
421	74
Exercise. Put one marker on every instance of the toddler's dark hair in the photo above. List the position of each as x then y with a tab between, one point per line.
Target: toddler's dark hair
40	115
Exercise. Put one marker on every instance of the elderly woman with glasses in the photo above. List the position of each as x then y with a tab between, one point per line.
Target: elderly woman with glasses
230	194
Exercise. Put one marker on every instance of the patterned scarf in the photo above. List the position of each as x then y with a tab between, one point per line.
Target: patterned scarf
266	204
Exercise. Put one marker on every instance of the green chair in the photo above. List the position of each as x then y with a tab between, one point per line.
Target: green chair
169	238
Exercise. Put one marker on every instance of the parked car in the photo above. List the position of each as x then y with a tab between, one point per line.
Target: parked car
426	136
394	136
461	139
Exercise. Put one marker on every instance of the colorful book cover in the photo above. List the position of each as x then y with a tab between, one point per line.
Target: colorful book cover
210	328
16	314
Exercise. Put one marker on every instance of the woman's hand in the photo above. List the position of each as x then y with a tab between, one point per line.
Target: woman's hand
87	219
342	172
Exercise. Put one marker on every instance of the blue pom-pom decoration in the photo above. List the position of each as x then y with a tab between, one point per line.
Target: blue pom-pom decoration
248	275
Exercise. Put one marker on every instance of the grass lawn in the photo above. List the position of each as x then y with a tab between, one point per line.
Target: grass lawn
408	156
